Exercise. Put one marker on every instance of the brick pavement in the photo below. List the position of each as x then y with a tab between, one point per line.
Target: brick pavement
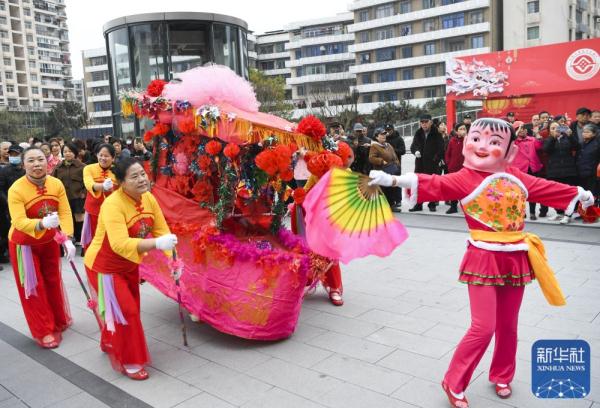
388	346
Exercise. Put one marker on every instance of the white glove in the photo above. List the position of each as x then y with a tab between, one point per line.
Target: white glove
166	242
70	248
107	185
586	199
418	154
380	178
51	221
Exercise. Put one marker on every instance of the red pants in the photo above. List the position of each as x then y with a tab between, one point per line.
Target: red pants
494	312
48	311
333	278
127	345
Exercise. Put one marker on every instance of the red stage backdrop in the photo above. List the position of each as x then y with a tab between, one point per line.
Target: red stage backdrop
558	78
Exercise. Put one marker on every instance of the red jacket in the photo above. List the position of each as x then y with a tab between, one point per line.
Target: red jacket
454	157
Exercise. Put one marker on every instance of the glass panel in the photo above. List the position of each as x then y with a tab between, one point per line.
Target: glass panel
189	46
226	46
118	45
244	44
148	63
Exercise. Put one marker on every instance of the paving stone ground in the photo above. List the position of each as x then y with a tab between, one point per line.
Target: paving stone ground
388	346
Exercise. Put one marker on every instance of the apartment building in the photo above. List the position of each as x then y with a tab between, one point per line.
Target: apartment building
272	56
78	93
252	54
529	23
36	63
320	63
401	46
97	90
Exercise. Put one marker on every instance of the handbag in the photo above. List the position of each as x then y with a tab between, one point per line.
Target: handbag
391	168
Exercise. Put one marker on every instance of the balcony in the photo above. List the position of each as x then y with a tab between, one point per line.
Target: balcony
96	68
99	98
336	76
279	71
272	38
95	84
326	39
320	59
252	55
421	37
274	55
394	85
409	62
417	15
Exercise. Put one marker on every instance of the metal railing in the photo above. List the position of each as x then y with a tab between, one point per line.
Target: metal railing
410	128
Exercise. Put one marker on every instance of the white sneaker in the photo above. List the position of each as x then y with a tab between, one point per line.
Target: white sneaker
565	219
554	217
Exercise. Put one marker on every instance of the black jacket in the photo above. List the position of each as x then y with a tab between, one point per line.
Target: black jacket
8	175
573	127
397	143
432	151
561	157
588	157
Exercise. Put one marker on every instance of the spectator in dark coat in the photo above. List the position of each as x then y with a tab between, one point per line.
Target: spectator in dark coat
561	149
454	157
588	159
583	118
360	144
394	138
8	175
428	148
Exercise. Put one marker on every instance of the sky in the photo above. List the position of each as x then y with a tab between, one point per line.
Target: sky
86	18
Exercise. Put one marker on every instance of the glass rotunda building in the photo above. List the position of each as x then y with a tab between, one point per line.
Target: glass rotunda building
150	46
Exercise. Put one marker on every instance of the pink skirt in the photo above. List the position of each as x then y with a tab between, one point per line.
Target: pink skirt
491	268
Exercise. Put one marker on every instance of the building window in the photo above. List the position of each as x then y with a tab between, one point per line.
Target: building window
298	54
407	52
33	77
385	54
35	90
31	51
388	96
455	45
8	75
3	20
12	102
429	48
366	78
32	64
408	74
408	94
448	2
387	75
453	20
99	75
363	16
5	48
2	7
428	4
384	11
384	33
365	58
3	34
406	29
28	25
300	90
476	17
533	33
6	61
477	41
37	104
29	38
367	99
364	37
430	71
10	88
430	92
429	24
27	12
299	71
405	6
533	7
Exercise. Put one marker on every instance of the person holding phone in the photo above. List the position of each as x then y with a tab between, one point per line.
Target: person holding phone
140	151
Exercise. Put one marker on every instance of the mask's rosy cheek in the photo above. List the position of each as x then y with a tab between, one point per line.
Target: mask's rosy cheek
496	153
470	147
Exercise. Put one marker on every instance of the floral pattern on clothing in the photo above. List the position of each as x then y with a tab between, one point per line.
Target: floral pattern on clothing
500	205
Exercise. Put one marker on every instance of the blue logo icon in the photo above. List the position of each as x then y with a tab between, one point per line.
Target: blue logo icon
560	369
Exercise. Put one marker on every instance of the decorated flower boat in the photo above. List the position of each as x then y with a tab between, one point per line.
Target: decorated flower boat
220	170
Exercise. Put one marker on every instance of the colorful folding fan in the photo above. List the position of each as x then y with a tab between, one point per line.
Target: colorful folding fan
346	218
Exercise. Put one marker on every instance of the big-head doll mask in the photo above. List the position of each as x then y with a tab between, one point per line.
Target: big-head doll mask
488	146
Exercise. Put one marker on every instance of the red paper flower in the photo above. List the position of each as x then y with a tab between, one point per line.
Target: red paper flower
213	147
323	162
204	163
159	129
284	157
299	194
312	127
231	151
286	175
267	162
345	152
186	125
202	192
155	87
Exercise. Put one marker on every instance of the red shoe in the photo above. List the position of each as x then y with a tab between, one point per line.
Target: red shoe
455	402
503	392
336	298
50	344
139	375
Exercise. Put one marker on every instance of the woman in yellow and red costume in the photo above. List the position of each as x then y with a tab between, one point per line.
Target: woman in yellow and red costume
130	224
38	206
501	258
99	181
318	165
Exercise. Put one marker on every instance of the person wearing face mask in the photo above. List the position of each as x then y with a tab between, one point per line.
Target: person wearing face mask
500	258
40	213
561	150
130	224
454	157
8	175
99	181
